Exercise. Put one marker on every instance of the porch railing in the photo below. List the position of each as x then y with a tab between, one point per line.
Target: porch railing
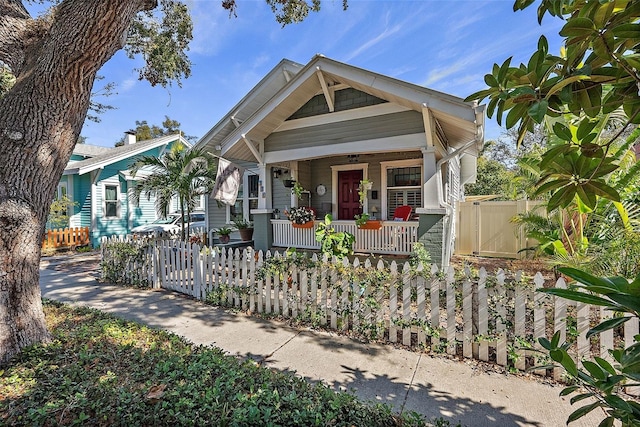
393	237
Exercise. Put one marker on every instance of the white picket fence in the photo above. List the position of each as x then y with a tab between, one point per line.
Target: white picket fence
496	318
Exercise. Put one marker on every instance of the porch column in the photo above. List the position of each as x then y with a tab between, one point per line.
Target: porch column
262	230
430	187
294	175
431	232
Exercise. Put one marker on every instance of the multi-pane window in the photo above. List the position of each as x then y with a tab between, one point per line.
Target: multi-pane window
250	197
111	201
61	195
403	188
253	193
197	203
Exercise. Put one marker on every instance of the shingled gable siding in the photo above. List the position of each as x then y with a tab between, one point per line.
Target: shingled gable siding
346	99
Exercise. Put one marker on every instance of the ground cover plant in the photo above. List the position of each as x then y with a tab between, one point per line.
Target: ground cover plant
101	370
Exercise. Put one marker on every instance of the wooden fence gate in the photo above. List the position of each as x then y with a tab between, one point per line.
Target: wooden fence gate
67	238
485	228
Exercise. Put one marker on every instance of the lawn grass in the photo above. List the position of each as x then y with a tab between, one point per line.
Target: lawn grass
100	370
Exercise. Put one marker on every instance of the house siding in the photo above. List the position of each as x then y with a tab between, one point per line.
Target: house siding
345	99
142	214
281	196
82	195
110	226
217	214
389	125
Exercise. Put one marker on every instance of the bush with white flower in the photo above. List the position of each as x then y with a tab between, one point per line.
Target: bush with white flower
300	215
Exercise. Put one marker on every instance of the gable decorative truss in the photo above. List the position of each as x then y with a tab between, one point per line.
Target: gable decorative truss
328	95
252	148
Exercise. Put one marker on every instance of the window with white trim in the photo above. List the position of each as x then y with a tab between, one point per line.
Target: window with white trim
62	192
252	199
111	201
246	200
404	186
198	203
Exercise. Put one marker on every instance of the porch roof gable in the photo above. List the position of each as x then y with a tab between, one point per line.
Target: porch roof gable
459	121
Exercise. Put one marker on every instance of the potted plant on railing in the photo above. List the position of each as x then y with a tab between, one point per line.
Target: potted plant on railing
245	228
224	234
364	223
362	220
301	217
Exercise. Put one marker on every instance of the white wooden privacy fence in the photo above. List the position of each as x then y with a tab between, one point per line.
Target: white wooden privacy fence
496	318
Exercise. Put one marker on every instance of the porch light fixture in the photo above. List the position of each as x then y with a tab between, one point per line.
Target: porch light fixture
277	173
353	158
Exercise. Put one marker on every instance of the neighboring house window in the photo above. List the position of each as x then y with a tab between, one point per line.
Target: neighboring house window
111	201
198	204
62	193
246	200
403	185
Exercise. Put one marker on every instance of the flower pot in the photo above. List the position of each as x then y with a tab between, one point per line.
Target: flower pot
289	183
224	238
371	225
246	234
308	224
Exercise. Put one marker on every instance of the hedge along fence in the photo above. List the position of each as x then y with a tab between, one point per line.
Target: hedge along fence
496	318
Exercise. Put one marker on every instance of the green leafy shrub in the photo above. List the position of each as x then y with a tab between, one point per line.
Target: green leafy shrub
104	371
600	380
332	242
119	262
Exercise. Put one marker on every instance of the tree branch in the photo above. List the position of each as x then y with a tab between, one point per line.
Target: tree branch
14	21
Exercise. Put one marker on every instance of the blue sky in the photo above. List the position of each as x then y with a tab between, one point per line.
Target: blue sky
444	45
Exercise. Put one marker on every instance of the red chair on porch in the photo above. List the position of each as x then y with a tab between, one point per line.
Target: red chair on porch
402	213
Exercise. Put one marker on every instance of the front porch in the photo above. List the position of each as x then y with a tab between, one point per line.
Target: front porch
393	238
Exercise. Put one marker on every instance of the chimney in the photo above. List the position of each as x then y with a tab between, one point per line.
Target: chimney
129	137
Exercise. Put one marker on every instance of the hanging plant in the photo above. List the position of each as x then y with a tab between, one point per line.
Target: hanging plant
297	189
365	185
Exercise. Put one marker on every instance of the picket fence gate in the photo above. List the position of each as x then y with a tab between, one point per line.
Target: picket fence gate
492	318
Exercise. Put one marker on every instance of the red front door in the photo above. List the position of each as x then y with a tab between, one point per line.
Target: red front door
348	199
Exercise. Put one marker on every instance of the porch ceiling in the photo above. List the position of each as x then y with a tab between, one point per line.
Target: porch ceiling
457	119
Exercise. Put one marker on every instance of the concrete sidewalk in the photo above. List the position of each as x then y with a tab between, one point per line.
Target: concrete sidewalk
432	386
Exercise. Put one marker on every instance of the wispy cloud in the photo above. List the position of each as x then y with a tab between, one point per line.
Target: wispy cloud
391	29
480	55
209	30
126	85
388	32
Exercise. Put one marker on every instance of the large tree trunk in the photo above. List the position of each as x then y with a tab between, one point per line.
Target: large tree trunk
55	62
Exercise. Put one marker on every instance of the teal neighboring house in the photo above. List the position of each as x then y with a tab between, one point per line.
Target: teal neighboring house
98	181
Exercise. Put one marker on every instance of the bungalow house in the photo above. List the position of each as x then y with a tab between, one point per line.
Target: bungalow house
97	181
328	125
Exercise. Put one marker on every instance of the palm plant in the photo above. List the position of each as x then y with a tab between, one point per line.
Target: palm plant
181	173
592	234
